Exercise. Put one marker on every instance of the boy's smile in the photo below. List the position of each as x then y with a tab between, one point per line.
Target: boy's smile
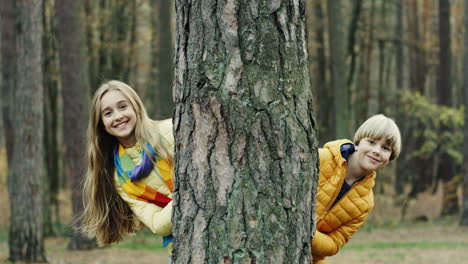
373	154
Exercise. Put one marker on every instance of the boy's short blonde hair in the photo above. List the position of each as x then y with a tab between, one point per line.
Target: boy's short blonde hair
378	127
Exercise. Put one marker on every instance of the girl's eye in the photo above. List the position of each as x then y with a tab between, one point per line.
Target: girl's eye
107	113
123	106
371	141
386	148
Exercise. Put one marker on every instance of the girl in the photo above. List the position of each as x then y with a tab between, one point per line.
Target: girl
347	175
129	180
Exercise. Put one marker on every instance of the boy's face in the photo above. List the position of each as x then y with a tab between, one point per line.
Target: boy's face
373	154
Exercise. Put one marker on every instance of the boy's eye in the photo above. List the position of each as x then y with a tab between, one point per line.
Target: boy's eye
371	141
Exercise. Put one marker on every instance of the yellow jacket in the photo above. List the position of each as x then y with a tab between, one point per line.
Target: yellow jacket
154	217
336	224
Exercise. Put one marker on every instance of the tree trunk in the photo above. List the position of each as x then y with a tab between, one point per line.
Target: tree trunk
25	175
464	217
75	85
165	61
325	104
417	61
51	117
8	54
337	36
400	83
94	35
142	62
371	94
246	149
446	170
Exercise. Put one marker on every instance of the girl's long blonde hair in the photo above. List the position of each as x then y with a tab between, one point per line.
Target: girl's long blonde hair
106	215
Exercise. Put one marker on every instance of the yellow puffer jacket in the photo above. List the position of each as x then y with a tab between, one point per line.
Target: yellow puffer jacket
336	225
154	217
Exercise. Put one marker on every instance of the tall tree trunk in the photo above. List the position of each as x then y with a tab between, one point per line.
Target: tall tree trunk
51	116
371	97
8	50
75	85
142	62
399	81
417	62
446	171
353	27
246	149
165	61
464	217
337	36
25	175
94	35
325	104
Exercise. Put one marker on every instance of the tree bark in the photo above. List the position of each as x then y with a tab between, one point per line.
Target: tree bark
246	149
73	68
464	217
8	50
25	175
337	36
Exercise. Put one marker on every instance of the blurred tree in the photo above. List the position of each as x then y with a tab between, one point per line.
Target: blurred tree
464	217
74	70
370	92
141	65
316	25
246	148
446	168
337	41
25	175
165	61
8	50
52	155
94	18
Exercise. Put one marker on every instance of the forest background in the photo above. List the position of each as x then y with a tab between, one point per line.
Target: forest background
405	59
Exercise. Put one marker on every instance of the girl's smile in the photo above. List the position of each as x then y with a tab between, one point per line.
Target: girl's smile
118	117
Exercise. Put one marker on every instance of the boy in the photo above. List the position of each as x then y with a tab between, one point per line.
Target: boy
347	175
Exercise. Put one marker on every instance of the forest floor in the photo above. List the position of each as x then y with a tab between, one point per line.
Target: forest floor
439	241
382	239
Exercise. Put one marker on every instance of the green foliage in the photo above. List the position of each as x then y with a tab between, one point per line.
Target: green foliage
429	132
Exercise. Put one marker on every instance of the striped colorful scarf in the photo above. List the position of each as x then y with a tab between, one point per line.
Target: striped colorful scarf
129	174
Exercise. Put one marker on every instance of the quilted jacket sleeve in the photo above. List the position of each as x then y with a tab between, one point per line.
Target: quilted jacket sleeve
157	219
328	244
165	128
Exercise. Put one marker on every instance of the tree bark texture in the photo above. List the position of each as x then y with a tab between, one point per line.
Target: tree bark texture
25	175
338	40
8	50
246	148
73	68
464	217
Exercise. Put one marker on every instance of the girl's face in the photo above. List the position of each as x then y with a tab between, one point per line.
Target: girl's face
118	117
373	154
